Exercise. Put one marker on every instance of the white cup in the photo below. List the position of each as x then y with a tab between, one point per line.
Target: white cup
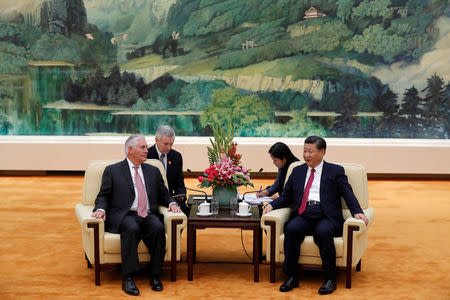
244	208
203	208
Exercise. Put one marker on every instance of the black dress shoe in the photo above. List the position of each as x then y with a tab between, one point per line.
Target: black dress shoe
328	287
130	287
289	284
156	284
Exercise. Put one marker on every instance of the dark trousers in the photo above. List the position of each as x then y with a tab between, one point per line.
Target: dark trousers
132	230
311	222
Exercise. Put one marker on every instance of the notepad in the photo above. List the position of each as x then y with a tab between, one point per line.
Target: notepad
201	198
252	199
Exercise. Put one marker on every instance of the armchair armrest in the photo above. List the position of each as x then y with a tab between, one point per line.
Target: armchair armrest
173	232
83	213
361	226
169	216
273	223
351	221
279	216
354	236
92	229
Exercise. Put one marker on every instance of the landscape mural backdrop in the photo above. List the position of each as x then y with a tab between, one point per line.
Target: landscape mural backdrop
273	68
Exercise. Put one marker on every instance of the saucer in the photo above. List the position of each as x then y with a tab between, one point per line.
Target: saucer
244	215
204	215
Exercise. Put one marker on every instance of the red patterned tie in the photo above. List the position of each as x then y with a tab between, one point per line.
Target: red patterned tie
306	193
142	195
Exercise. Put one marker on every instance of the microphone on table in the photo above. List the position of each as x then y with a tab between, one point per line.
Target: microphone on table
199	191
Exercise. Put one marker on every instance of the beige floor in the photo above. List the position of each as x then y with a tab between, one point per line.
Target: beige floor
41	255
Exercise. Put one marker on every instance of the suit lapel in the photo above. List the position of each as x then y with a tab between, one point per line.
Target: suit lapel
146	177
126	172
323	181
152	153
302	178
169	162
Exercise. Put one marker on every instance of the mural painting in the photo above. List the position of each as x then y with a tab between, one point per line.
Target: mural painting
273	68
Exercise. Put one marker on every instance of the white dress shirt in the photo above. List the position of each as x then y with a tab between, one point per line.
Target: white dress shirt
314	191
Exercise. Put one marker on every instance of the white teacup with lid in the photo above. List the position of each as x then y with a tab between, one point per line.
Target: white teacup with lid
204	208
244	208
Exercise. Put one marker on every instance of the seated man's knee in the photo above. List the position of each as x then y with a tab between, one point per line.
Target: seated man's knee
322	235
158	228
129	228
293	229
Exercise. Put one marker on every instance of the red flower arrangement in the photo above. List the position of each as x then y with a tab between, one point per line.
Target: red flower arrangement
225	172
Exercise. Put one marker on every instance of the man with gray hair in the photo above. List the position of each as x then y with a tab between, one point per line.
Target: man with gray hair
173	163
128	201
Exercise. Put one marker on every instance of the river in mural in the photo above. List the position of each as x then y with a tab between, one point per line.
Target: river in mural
29	102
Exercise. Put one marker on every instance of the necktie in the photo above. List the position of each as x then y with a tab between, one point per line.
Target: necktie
142	195
161	158
306	193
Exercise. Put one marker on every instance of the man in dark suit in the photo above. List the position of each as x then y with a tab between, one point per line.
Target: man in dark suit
173	163
314	192
128	201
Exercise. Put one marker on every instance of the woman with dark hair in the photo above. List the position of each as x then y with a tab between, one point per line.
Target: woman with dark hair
282	158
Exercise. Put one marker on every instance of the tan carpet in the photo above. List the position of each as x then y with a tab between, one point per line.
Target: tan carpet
41	255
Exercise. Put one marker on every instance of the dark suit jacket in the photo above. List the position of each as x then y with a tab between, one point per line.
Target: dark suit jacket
174	170
117	192
333	185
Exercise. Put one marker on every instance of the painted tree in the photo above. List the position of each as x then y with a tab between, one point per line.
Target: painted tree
376	40
345	9
73	91
387	103
96	88
435	106
447	109
411	113
377	8
5	125
229	106
19	34
347	123
300	125
415	6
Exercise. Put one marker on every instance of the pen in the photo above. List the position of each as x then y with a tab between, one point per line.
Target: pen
260	189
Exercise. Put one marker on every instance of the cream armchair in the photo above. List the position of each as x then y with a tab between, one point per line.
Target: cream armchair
102	249
349	248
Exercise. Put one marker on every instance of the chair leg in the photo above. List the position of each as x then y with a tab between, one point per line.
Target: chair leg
96	251
348	277
272	251
173	253
358	266
348	268
89	265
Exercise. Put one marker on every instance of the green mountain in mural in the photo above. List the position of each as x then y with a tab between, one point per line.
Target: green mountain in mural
319	48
